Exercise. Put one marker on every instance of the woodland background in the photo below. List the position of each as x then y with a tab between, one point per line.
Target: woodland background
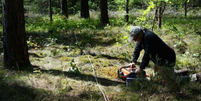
70	50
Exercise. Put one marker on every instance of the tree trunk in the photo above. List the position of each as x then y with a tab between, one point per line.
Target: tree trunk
84	9
159	13
50	2
64	8
155	18
104	12
199	2
159	17
185	8
14	37
127	11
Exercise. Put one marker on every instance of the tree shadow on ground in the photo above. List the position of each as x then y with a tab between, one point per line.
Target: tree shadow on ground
45	39
80	76
19	91
86	77
107	56
16	92
10	92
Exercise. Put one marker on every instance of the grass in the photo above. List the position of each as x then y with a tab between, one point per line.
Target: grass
65	52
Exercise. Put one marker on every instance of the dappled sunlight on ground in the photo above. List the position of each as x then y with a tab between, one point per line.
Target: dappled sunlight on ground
108	72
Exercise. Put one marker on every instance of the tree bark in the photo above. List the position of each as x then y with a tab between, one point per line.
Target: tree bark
50	8
155	18
14	37
185	8
64	8
127	11
74	3
159	17
84	9
159	13
104	12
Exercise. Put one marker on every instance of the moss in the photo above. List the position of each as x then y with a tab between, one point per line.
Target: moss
65	58
85	60
108	72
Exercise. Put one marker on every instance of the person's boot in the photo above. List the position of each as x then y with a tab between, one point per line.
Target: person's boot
183	72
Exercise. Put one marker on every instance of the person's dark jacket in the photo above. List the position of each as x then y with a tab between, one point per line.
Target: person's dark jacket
155	50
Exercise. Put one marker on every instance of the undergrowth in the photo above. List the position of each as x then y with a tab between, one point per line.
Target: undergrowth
66	52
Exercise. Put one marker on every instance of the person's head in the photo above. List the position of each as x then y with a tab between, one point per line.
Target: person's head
135	33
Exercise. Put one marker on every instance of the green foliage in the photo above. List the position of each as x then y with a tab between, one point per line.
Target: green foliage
151	6
94	4
74	68
179	34
38	72
117	21
55	52
45	33
41	6
32	45
121	4
139	4
60	24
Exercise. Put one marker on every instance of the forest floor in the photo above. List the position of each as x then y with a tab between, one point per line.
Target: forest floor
81	63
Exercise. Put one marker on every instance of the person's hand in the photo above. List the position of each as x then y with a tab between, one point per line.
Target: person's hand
138	70
132	65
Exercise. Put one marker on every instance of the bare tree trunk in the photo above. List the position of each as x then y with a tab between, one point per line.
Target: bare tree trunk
159	17
155	18
185	8
64	8
50	6
104	12
127	11
14	37
84	9
159	13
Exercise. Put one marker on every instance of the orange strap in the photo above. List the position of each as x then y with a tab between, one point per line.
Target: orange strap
125	71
